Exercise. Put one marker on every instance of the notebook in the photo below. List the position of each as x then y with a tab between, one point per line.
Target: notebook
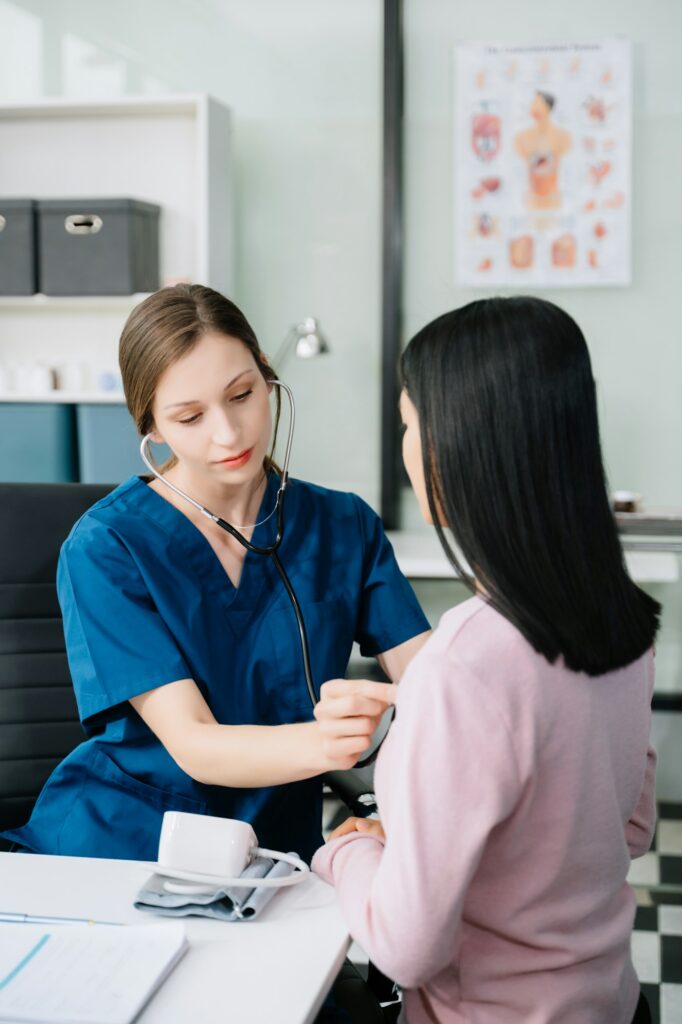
83	974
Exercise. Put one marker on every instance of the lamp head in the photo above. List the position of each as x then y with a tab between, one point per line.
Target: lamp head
310	341
305	339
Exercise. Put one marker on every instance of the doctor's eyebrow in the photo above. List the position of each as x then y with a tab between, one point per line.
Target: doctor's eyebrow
196	401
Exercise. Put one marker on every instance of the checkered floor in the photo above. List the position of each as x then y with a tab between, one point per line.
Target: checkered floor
657	935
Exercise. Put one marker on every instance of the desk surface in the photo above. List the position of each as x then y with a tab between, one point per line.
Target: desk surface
421	557
276	968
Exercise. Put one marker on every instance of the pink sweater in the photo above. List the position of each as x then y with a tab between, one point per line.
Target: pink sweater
513	794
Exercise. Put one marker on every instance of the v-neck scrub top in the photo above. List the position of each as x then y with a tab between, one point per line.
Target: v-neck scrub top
146	602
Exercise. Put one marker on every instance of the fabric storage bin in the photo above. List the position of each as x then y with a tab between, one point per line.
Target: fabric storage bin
108	444
97	246
38	442
17	247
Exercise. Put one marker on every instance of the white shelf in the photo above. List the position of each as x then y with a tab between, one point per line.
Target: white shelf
69	303
121	106
64	398
173	150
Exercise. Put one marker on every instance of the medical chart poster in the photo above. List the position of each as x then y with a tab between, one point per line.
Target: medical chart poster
542	164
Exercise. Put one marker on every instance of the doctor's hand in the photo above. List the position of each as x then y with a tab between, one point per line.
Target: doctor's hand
348	713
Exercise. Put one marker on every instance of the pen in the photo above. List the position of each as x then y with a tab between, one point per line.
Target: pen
45	919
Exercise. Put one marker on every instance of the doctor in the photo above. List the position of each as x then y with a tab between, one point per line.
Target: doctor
183	647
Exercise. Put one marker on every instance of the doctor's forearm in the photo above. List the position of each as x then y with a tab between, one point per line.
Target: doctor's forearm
395	661
246	756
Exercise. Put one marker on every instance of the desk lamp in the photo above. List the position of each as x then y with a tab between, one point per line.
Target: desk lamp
306	339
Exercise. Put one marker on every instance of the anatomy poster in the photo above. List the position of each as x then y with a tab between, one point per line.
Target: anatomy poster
542	153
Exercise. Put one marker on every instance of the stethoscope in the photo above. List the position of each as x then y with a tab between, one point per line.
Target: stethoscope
270	550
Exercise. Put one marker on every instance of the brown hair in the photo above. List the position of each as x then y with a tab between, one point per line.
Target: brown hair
165	327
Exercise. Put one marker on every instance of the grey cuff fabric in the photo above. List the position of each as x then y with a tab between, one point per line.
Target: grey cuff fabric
228	904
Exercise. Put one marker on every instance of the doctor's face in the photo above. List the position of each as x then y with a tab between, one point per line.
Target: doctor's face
212	409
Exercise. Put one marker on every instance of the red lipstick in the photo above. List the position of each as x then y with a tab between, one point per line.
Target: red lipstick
238	460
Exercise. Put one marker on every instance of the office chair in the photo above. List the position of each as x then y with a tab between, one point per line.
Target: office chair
38	716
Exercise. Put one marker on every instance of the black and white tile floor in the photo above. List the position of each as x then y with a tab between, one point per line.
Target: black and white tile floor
657	935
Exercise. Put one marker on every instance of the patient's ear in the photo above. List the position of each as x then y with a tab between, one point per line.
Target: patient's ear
155	436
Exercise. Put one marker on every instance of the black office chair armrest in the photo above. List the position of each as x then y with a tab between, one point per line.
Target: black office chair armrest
355	789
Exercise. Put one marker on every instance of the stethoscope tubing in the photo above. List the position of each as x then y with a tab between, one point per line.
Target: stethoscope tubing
269	550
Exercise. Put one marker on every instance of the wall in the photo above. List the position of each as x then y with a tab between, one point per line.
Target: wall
304	81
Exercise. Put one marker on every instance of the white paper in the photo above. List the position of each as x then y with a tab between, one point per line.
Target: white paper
542	160
83	974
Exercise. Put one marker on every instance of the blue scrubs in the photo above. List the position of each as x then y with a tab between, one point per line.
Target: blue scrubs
146	602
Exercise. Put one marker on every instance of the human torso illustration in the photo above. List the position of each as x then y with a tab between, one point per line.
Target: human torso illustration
542	147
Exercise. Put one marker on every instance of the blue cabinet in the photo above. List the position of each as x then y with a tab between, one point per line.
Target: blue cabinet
38	442
53	442
108	445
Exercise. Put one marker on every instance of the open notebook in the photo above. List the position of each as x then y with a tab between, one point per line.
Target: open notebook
83	974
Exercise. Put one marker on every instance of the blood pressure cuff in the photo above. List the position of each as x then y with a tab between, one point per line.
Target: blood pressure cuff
228	904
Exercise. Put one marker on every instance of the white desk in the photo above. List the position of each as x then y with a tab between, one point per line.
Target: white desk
420	556
276	968
649	559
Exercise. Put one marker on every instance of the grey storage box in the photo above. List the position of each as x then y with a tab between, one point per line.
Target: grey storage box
98	246
17	247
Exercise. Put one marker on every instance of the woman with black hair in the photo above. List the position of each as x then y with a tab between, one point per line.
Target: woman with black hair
517	781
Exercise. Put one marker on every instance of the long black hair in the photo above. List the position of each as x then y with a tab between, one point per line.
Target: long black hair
507	410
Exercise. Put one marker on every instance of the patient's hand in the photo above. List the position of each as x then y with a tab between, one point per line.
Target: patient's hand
369	826
348	713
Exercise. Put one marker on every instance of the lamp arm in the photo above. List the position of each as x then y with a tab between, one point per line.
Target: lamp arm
284	348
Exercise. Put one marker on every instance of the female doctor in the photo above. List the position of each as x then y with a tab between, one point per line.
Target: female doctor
183	647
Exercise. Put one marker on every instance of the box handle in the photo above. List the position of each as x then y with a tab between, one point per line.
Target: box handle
3	222
83	224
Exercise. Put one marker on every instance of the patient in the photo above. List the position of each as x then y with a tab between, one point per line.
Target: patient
517	781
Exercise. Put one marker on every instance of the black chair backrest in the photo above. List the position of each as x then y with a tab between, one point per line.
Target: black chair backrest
38	717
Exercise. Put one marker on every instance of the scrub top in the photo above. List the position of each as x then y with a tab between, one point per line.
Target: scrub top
145	602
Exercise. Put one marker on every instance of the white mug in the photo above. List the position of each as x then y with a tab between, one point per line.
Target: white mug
205	845
73	376
21	375
40	379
